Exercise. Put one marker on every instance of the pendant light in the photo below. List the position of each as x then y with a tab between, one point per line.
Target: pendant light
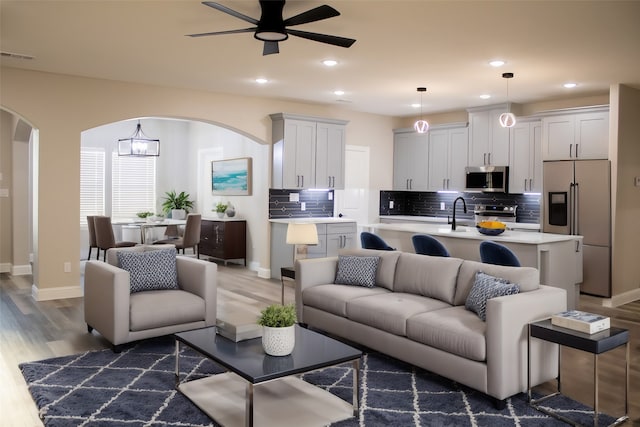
421	126
508	119
138	144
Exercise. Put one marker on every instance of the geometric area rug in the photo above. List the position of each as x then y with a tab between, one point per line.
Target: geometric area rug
135	388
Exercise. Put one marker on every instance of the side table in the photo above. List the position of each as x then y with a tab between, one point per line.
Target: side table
597	343
289	272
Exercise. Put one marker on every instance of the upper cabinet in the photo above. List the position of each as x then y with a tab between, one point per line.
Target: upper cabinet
488	140
525	166
308	152
410	160
574	135
448	146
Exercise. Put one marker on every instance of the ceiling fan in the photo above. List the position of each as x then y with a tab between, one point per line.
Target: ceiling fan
272	27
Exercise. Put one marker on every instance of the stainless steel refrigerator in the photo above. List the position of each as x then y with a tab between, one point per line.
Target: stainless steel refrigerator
577	200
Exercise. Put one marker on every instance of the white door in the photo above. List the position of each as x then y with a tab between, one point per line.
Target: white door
353	201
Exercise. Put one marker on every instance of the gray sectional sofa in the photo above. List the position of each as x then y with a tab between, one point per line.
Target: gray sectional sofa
416	313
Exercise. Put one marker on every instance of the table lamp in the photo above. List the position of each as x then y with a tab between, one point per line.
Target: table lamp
300	235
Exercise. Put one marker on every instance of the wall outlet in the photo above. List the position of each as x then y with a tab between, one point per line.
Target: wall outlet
442	206
390	204
67	267
303	206
294	197
330	195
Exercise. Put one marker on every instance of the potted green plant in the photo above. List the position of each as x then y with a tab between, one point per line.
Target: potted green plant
221	208
278	329
177	204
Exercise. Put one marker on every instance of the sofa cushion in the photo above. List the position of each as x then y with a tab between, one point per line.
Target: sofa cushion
389	312
486	287
150	270
430	276
454	330
527	278
386	273
156	309
357	270
333	298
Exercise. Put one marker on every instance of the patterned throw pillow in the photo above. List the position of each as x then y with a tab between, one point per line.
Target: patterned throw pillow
150	270
486	287
357	270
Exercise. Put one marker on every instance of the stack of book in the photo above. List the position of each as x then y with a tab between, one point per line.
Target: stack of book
581	321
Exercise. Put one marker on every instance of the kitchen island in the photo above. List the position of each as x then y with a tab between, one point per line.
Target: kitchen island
558	257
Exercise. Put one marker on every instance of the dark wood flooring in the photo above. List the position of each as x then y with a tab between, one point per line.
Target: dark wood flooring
31	330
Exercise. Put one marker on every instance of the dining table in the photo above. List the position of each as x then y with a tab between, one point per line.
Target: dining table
146	225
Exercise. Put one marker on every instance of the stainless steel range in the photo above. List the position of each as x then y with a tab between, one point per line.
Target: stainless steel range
495	213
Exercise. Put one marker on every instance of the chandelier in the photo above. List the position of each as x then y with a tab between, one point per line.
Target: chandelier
138	144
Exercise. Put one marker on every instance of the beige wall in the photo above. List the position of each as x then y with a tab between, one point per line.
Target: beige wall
61	107
625	166
6	207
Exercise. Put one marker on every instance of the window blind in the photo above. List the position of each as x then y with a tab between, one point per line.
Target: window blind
91	183
133	185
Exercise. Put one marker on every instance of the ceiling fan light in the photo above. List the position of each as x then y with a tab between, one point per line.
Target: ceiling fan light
507	120
271	36
421	126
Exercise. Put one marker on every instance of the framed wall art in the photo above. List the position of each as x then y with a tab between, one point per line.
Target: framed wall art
231	177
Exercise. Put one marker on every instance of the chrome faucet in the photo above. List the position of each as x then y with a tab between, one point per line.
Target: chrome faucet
464	204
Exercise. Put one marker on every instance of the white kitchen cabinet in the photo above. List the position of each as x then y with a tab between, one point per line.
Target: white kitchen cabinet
448	148
575	135
341	236
308	152
410	160
525	165
488	140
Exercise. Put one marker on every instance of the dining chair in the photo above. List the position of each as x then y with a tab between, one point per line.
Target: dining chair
495	253
373	241
105	238
424	244
190	238
92	237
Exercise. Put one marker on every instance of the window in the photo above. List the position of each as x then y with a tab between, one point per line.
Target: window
91	183
133	185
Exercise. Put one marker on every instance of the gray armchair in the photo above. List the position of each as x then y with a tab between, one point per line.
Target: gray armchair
121	316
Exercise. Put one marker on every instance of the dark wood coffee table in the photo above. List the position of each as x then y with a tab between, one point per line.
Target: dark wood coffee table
264	389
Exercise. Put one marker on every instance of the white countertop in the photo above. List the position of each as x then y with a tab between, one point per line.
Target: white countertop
322	220
471	233
443	220
226	218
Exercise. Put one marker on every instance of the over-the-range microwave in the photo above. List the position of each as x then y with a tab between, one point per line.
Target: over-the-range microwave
488	179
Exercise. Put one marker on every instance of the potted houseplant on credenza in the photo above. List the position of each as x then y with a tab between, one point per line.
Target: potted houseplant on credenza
177	204
278	324
221	208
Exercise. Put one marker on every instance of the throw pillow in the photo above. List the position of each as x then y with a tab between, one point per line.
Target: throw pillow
150	270
357	270
486	287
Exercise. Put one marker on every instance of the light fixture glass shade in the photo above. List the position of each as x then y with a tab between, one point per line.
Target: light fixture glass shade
507	120
302	234
421	126
138	145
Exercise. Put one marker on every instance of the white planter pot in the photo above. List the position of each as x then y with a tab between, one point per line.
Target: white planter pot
178	214
278	341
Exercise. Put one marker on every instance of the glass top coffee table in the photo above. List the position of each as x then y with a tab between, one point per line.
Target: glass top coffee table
264	390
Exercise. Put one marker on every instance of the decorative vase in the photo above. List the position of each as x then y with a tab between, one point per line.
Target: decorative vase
278	341
178	214
231	212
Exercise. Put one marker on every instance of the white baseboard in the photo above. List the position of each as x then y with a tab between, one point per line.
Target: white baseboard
623	298
5	267
21	270
264	273
47	294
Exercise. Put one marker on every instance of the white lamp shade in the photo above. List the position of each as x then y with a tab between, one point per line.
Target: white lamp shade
302	234
507	120
421	126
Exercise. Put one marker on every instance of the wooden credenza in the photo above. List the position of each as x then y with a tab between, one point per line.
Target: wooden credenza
224	239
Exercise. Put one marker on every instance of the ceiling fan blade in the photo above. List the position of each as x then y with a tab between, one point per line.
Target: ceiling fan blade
270	48
316	14
231	12
217	33
323	38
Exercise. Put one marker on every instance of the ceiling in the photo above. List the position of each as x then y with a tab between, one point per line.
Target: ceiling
443	45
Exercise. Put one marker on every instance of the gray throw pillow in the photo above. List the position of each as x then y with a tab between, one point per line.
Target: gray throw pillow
357	270
486	287
150	270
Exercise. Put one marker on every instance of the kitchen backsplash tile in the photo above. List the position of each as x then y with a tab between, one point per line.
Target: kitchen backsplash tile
428	204
318	204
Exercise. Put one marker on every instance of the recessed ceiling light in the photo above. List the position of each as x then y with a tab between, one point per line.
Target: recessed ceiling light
330	62
261	80
338	92
485	96
570	85
496	63
415	105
